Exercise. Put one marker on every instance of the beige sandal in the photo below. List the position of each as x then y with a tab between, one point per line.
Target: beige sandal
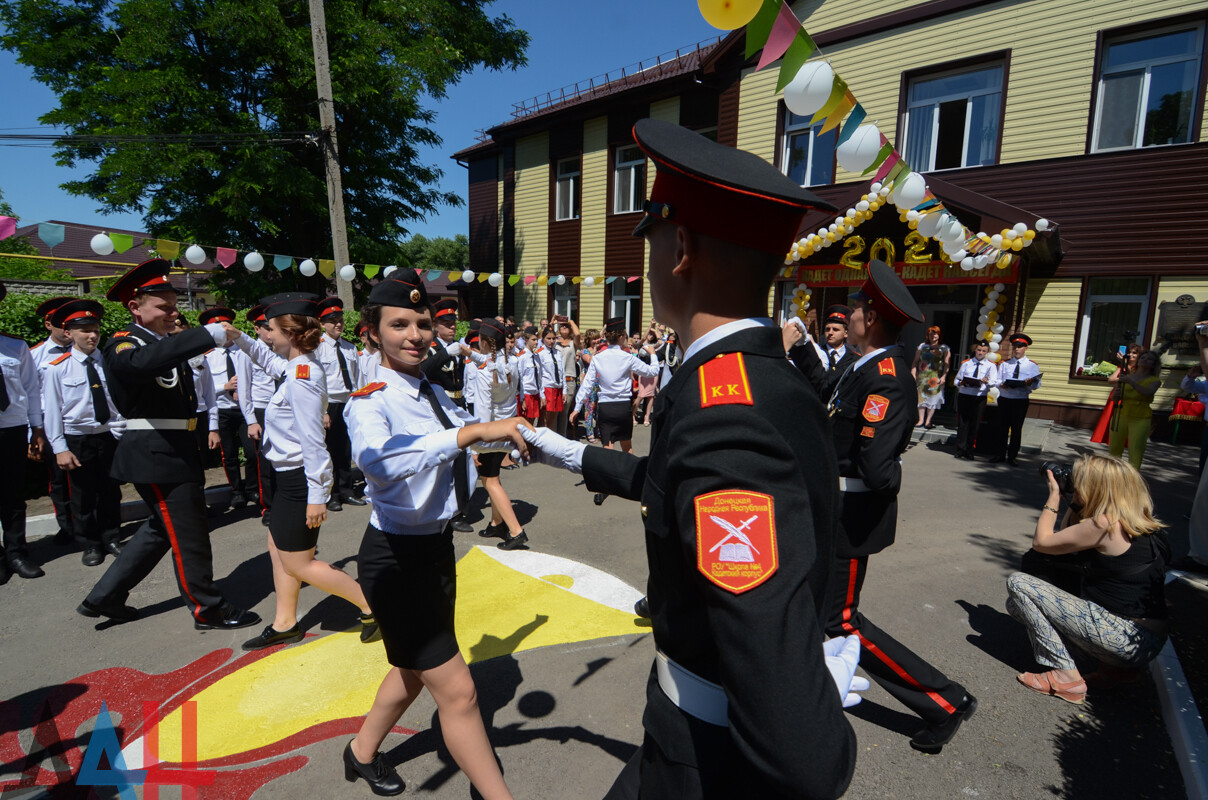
1045	683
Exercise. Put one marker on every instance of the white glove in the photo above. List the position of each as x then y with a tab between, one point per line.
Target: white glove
842	656
547	447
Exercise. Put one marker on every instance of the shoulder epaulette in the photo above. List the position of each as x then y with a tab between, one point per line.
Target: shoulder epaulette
368	389
61	359
39	344
885	367
206	353
302	372
723	382
121	333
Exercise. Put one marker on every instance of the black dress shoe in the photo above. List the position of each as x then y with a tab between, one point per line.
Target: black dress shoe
369	629
354	500
598	499
334	504
461	524
118	612
227	617
271	636
514	542
958	454
642	608
937	734
24	567
93	556
238	500
499	530
1011	460
380	776
112	548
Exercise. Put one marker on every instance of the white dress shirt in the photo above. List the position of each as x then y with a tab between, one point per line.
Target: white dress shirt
67	400
260	368
530	372
368	364
45	352
337	390
972	368
613	371
21	381
496	383
216	361
1021	369
407	455
552	369
294	437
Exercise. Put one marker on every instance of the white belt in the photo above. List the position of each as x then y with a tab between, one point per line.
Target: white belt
161	424
852	485
691	693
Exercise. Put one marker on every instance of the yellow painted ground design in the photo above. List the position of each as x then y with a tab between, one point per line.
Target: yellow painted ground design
507	602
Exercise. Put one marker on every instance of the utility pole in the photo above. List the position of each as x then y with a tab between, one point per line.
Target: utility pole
327	143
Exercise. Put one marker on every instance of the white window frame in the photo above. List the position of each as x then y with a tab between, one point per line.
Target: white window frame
1089	305
635	165
567	175
566	300
789	131
625	295
934	105
1147	66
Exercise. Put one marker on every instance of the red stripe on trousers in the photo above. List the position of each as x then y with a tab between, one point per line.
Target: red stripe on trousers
876	651
180	564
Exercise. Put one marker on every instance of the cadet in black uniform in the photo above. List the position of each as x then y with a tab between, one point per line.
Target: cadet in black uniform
823	364
872	416
739	497
151	385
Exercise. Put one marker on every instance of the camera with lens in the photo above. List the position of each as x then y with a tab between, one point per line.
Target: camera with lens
1062	473
1201	328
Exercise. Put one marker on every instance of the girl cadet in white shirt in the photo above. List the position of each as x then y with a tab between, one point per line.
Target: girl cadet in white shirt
408	437
294	444
613	371
553	378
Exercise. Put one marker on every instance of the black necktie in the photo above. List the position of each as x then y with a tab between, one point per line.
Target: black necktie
343	366
1016	370
230	364
975	367
537	370
3	391
460	476
100	405
556	356
833	360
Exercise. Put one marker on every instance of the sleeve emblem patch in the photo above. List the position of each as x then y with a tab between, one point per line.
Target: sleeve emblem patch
885	367
723	382
302	373
875	407
123	347
868	431
368	388
736	538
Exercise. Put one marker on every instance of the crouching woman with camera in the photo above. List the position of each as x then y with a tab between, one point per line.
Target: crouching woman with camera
1112	542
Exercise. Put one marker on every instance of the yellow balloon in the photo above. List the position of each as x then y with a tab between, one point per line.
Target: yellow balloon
1017	244
1029	234
729	15
1004	262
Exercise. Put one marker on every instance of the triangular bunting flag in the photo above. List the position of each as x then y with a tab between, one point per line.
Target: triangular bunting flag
433	274
121	242
282	263
882	154
167	249
513	280
889	163
897	171
8	226
784	30
838	90
857	116
53	234
840	111
483	276
327	267
226	256
528	279
577	280
634	278
610	279
371	270
794	58
759	28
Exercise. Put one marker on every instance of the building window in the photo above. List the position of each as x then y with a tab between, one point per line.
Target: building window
1147	89
953	119
1113	317
567	192
566	300
809	154
626	301
629	180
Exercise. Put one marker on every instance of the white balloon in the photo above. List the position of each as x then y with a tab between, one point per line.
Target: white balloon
1020	228
589	281
982	327
254	262
996	338
998	287
955	232
951	248
910	192
1042	224
966	263
467	276
983	317
810	88
348	272
961	255
794	308
195	255
912	215
102	245
851	212
1010	236
858	152
929	224
561	281
876	187
994	347
997	327
862	205
885	190
1027	242
388	270
980	262
495	279
996	241
992	294
307	268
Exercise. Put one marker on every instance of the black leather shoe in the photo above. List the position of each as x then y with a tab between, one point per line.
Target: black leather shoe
598	499
118	612
642	608
493	530
227	617
1011	460
334	504
514	542
238	500
460	524
112	548
353	500
937	734
24	567
271	636
93	556
380	776
369	629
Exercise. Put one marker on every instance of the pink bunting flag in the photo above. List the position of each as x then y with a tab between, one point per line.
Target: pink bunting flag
8	226
783	30
887	165
634	278
528	279
226	256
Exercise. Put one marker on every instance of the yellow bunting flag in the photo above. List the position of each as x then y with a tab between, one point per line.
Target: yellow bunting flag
482	277
577	279
846	104
167	249
327	267
838	92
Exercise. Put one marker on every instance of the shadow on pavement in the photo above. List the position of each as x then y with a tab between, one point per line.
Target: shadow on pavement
998	636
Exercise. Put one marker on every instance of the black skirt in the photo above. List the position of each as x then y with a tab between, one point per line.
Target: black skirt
410	583
288	523
489	464
614	421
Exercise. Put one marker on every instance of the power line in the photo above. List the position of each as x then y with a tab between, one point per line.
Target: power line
194	139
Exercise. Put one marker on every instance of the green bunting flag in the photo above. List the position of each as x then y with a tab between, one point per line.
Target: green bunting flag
794	59
121	242
760	27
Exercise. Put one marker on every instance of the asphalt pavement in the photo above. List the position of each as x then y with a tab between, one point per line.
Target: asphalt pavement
565	717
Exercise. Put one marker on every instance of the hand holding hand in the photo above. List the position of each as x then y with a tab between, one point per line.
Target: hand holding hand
547	447
842	655
792	333
232	333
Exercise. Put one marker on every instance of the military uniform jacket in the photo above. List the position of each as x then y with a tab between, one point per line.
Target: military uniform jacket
873	414
151	379
444	366
818	373
738	434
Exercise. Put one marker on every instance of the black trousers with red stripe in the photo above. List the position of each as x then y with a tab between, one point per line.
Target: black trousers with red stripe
177	525
916	684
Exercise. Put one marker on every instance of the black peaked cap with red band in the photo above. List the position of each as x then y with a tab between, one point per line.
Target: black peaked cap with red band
720	191
77	312
47	308
147	277
615	324
329	306
303	304
838	314
886	294
445	308
216	314
403	289
472	333
255	314
1021	338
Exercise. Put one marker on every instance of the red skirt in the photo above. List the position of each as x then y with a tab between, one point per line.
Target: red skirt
553	399
530	407
1100	435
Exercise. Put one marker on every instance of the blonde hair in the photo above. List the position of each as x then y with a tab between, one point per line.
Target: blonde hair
1112	488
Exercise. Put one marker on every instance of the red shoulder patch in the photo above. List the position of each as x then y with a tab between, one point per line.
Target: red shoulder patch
121	333
875	407
736	538
368	389
868	431
886	367
723	382
302	373
61	359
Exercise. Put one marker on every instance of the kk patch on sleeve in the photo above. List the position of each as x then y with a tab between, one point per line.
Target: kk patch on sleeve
886	367
736	538
723	382
303	372
875	407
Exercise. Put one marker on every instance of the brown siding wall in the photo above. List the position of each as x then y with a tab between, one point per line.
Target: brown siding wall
727	112
484	215
563	246
623	252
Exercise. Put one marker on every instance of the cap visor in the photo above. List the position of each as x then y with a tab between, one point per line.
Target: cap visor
646	223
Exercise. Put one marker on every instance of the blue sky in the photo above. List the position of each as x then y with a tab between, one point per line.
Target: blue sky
566	46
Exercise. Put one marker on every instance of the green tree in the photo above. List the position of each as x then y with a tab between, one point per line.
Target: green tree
25	268
166	68
440	253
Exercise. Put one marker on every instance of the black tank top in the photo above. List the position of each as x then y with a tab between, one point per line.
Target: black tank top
1131	584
